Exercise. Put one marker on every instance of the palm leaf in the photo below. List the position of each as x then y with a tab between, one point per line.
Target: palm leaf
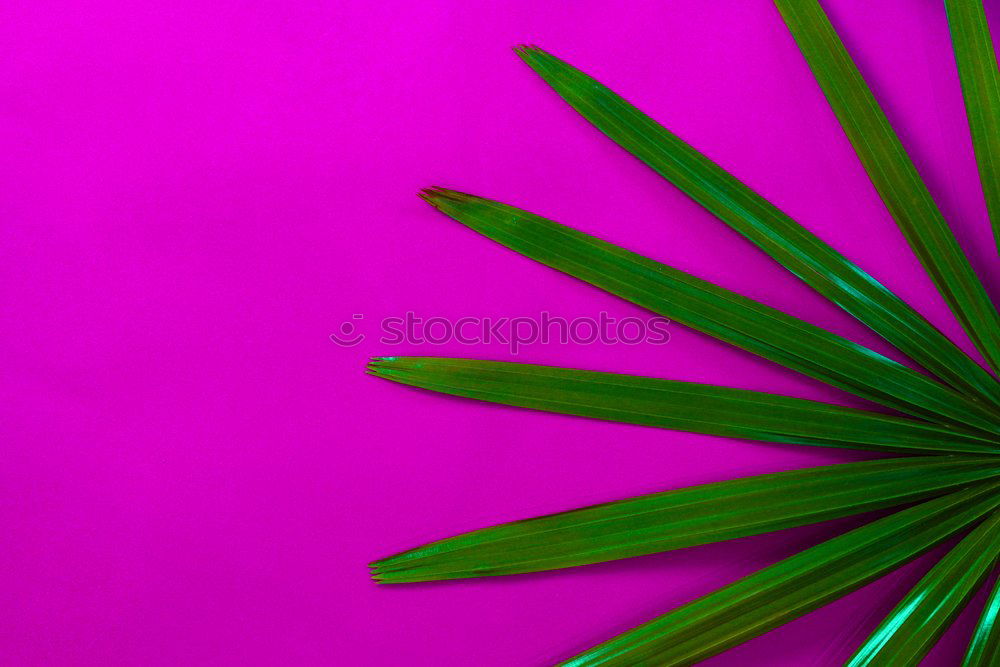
683	406
961	415
800	251
984	649
918	621
792	587
893	174
715	311
685	517
977	70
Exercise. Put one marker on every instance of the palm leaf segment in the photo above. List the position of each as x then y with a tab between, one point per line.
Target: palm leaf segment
950	422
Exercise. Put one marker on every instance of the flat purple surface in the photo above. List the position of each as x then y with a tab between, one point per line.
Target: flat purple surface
196	194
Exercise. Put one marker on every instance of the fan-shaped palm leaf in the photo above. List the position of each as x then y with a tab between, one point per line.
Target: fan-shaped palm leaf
957	414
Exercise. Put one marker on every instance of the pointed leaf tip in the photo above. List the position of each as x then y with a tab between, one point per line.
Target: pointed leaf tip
530	52
434	194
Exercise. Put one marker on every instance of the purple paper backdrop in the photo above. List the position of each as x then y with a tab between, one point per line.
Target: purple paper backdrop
195	195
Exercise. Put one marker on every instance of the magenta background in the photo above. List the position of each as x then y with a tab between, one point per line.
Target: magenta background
195	195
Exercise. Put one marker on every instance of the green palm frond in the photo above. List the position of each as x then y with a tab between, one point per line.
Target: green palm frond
952	419
977	69
910	630
682	406
801	252
686	517
893	174
984	648
767	598
716	311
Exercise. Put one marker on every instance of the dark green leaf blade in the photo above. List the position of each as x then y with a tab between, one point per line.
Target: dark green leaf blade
977	69
801	252
684	406
685	517
984	648
918	621
716	311
790	588
893	174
